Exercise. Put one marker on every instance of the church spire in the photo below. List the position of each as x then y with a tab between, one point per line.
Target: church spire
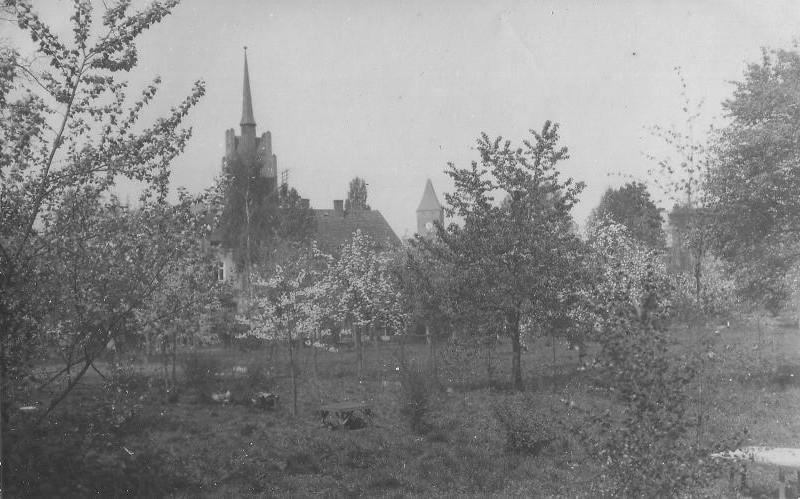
247	101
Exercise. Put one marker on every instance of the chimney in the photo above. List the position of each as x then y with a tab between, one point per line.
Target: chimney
305	203
338	205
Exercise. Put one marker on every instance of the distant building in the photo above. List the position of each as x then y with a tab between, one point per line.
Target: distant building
429	211
334	227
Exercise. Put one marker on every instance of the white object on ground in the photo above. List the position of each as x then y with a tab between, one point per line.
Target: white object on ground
775	456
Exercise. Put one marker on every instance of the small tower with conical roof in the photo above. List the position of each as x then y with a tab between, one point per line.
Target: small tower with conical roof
429	211
247	147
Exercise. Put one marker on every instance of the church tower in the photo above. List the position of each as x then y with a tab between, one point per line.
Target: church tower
253	151
429	211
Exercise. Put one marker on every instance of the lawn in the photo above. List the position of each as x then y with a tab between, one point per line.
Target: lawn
127	438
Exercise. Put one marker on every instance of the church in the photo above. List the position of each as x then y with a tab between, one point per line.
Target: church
334	226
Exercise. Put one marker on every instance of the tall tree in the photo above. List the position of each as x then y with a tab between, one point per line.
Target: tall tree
682	175
68	133
357	194
756	177
291	302
512	259
631	206
250	218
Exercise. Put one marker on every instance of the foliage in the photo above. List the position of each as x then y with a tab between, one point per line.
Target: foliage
631	206
290	302
75	264
87	452
465	361
718	298
363	291
511	260
755	179
526	431
357	195
416	397
683	180
248	222
129	390
425	287
296	222
646	444
627	278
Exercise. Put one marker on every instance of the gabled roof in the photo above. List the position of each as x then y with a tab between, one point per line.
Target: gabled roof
335	228
429	200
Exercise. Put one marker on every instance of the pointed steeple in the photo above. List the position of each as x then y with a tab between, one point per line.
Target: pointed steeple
429	200
247	101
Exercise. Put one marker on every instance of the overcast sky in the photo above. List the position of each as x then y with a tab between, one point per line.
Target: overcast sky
393	90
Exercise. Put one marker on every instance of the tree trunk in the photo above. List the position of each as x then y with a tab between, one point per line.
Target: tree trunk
165	361
359	351
174	356
376	339
403	350
512	323
434	367
314	354
553	340
489	347
292	375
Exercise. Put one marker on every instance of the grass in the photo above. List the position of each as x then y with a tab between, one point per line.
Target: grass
195	447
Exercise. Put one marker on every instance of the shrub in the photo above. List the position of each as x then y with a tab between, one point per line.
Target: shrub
526	431
647	445
717	295
128	390
416	397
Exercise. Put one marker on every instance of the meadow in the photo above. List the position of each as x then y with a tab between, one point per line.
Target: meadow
439	433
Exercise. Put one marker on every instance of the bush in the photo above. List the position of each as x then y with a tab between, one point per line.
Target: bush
128	390
717	295
526	431
416	397
649	445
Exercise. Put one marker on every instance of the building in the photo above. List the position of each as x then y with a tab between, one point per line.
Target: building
334	227
429	211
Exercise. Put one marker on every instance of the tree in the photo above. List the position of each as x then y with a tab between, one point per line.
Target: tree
290	303
512	260
117	271
357	195
756	177
296	222
363	294
644	440
683	179
250	218
68	133
631	206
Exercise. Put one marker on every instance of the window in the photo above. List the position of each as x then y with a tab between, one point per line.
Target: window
220	271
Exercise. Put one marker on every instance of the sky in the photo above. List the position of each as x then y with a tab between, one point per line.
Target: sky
392	91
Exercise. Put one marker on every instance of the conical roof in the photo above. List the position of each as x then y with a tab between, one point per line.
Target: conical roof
429	200
247	100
